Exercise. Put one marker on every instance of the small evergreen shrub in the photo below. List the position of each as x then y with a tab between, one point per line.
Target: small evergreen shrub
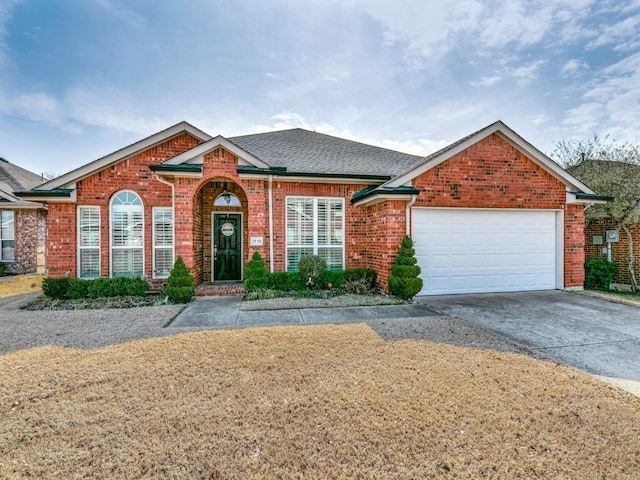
335	278
180	286
404	282
55	287
312	269
599	274
256	275
100	288
286	281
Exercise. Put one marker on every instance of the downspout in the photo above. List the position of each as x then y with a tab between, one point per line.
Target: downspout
408	214
271	223
173	209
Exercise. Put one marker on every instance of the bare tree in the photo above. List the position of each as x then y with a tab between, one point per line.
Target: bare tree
611	169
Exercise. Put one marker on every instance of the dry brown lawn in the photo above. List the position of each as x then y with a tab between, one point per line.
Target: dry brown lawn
20	284
310	402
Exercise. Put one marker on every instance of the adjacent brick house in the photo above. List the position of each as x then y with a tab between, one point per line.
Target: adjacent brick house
22	223
488	213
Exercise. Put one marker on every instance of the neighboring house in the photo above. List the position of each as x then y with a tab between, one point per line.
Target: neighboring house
624	179
22	223
487	213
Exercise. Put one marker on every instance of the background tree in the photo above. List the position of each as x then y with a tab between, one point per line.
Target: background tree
611	169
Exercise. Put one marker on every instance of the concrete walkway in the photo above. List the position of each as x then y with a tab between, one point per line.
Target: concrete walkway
224	312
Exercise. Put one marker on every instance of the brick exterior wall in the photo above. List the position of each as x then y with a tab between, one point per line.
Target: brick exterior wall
494	174
489	174
29	237
619	250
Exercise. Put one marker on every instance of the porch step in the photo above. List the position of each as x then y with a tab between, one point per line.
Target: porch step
214	289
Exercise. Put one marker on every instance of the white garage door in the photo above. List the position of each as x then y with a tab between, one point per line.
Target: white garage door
474	251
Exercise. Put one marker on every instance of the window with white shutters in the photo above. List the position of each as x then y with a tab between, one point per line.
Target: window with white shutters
315	226
127	235
88	242
162	241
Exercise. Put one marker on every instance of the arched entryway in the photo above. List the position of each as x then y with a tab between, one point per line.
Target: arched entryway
220	226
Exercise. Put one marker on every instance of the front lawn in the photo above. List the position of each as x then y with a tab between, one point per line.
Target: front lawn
307	402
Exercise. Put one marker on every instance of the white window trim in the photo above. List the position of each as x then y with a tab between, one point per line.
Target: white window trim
111	231
173	237
80	247
2	259
315	244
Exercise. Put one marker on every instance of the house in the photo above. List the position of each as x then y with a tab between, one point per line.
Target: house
488	213
605	237
23	223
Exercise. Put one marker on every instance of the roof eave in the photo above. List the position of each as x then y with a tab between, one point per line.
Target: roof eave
90	168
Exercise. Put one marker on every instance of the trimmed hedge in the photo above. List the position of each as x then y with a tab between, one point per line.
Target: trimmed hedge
74	288
286	281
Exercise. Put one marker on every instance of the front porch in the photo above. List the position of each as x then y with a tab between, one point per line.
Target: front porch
214	289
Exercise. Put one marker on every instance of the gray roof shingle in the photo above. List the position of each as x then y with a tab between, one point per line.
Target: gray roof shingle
14	178
304	151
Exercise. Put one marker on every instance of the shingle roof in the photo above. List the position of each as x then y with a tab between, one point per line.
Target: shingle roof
304	151
14	178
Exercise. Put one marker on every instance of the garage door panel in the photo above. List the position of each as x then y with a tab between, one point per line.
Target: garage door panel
474	251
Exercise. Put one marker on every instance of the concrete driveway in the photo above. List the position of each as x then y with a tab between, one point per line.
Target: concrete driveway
596	336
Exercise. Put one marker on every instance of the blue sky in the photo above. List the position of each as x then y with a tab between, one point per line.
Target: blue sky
82	78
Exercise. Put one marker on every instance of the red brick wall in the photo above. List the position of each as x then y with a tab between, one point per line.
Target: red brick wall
489	174
619	250
574	246
386	228
61	240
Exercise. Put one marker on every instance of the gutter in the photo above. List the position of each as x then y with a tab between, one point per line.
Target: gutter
408	214
271	267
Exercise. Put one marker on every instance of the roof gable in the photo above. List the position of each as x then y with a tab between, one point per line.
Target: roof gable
68	179
196	154
510	137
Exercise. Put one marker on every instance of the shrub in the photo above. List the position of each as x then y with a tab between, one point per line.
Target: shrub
55	287
404	282
312	268
180	285
333	277
359	287
369	276
256	275
599	273
286	281
3	269
77	288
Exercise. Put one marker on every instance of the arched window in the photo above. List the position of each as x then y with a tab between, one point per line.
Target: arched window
226	199
127	235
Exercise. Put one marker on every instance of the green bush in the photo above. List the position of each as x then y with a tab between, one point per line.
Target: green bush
312	269
599	274
55	287
333	277
99	288
256	276
262	294
77	288
404	282
180	286
286	281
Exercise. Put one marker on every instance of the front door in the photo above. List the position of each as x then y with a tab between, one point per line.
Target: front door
227	246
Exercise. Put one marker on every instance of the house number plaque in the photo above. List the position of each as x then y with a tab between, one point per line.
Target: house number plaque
227	229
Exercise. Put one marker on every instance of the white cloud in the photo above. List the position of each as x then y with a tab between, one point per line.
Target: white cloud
527	73
486	81
623	34
573	68
6	7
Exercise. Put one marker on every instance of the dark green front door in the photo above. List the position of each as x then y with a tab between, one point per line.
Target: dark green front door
227	246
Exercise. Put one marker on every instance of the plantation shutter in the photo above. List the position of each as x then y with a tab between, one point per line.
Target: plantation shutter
162	241
127	236
88	242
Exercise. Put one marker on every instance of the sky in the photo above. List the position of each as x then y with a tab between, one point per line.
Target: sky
80	79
